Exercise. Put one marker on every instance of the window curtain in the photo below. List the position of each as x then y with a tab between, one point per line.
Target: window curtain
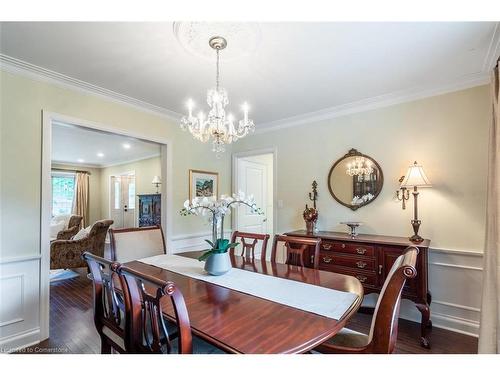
489	331
81	201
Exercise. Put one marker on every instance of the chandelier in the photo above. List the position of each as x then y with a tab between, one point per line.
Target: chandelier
359	167
221	127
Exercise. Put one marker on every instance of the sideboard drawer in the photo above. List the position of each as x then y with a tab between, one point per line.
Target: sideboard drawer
362	263
365	277
349	248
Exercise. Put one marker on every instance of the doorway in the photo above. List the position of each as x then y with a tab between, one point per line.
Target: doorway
254	174
51	121
122	200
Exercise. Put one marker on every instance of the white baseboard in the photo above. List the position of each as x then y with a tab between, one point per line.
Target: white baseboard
20	340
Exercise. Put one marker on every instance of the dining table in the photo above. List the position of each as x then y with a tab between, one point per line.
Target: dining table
237	321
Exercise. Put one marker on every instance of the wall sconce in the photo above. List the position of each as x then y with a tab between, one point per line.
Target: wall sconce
157	182
415	177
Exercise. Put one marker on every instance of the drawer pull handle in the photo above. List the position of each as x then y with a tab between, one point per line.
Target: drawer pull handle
361	250
361	278
327	246
327	259
380	269
342	246
361	264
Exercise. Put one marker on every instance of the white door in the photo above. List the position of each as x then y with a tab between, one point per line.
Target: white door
252	178
122	201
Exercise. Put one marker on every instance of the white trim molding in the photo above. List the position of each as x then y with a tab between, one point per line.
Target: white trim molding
382	101
26	69
48	118
17	66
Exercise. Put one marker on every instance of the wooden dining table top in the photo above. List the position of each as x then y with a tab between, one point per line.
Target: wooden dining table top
237	322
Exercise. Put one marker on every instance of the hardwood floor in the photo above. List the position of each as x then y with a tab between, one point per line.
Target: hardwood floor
72	326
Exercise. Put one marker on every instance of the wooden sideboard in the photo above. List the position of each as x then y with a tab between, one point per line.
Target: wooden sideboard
369	258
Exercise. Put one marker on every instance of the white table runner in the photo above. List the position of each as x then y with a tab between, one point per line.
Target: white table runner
312	298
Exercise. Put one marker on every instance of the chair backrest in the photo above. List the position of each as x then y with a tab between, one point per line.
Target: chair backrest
108	304
75	221
296	250
384	327
97	236
146	297
248	243
129	244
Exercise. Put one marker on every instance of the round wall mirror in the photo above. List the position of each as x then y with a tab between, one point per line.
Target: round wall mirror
355	180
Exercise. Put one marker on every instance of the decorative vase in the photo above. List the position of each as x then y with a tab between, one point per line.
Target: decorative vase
218	264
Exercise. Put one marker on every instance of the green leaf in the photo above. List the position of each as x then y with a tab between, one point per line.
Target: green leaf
210	243
205	255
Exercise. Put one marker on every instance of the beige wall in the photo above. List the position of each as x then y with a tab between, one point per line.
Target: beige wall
94	188
447	134
144	170
22	102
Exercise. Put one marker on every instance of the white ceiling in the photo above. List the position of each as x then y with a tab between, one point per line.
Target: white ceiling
76	145
283	70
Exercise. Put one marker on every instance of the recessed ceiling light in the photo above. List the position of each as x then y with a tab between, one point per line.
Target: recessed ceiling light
100	154
126	145
80	160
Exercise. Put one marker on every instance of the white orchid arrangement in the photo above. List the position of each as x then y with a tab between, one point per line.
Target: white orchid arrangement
218	209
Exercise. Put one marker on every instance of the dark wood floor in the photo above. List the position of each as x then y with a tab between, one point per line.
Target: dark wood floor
72	327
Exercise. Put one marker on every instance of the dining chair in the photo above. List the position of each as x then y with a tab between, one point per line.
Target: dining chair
384	328
109	313
296	250
146	298
248	248
129	244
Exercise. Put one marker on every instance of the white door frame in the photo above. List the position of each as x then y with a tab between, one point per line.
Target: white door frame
234	178
48	118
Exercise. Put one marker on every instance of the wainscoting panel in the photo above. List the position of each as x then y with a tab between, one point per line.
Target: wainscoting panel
455	279
193	242
19	307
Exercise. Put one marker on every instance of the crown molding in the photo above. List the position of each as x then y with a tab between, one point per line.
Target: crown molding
386	100
102	166
13	65
493	50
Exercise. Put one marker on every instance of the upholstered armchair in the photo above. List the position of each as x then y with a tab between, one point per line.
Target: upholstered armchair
68	253
73	227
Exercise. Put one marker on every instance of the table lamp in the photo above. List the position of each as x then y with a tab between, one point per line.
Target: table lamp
415	177
157	182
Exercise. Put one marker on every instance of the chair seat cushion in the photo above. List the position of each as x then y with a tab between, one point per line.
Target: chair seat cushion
349	338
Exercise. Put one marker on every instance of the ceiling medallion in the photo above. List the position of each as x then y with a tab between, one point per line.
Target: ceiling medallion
217	125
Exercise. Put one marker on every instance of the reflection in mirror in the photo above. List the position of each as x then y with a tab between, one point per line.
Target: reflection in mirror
355	180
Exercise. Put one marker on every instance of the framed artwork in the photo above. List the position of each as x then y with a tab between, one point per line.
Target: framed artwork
203	184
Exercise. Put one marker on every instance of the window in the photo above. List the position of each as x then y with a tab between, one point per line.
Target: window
63	192
117	187
131	193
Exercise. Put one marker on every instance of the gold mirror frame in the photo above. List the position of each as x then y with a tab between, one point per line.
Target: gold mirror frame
380	181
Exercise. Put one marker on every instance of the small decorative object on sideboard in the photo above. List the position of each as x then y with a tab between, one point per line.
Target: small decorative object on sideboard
352	226
415	177
310	214
149	210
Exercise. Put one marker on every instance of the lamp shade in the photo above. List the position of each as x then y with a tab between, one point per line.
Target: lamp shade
156	180
416	177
